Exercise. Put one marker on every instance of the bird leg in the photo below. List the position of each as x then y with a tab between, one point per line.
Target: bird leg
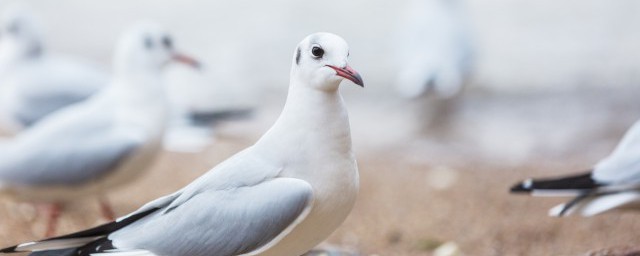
53	214
105	209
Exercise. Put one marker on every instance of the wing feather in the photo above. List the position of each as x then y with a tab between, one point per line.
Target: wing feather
224	222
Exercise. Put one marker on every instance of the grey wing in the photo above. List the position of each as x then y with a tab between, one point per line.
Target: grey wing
623	165
222	222
65	160
619	169
53	84
36	107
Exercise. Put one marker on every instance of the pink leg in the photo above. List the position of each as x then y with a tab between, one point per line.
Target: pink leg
53	214
105	209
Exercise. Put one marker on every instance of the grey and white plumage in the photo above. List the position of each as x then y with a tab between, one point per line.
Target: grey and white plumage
613	183
103	142
33	81
433	49
281	196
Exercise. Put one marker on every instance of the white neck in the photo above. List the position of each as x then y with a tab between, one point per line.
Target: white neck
312	122
141	101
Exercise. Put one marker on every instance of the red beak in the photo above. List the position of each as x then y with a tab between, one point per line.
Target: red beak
184	59
348	73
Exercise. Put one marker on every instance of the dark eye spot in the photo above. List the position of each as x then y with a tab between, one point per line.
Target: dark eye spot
148	42
167	42
298	56
317	52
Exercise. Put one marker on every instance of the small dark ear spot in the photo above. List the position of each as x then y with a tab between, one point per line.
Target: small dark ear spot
298	56
148	42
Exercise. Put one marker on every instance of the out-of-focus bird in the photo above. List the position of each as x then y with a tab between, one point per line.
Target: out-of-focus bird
34	82
612	183
281	196
91	147
201	101
433	48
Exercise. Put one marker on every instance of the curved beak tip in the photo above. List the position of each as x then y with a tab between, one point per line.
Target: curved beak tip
358	80
348	73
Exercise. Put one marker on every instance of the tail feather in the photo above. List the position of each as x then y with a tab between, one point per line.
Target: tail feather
609	202
590	205
567	208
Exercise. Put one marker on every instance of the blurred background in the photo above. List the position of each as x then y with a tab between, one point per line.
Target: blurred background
551	87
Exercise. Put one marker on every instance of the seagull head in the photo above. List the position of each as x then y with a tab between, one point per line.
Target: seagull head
321	61
147	47
20	36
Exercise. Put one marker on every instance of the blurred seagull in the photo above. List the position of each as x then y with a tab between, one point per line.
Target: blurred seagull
90	147
281	196
434	49
613	183
200	101
33	82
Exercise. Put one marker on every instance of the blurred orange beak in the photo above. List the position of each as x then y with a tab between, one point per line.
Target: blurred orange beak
348	73
184	59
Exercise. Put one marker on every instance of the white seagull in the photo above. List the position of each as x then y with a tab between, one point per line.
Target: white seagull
433	49
281	196
34	82
88	148
612	183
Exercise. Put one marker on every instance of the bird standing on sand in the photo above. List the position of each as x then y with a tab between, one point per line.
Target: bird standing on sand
34	82
612	183
88	148
281	196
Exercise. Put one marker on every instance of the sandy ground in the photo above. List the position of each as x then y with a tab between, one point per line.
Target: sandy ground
418	192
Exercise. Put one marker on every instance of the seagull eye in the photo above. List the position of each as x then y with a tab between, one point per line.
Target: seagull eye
317	52
167	42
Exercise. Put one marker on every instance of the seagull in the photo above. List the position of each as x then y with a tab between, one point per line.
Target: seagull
33	82
90	147
612	183
281	196
434	49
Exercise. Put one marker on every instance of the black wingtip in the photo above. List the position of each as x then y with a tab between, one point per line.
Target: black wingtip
11	249
581	181
522	187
